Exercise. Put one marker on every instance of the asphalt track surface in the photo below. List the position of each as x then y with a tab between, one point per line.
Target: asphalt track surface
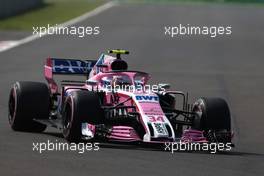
229	67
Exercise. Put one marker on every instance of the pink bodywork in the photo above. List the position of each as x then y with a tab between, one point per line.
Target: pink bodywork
152	112
191	135
123	133
49	76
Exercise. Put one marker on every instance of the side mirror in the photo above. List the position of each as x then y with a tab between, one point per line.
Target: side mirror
164	86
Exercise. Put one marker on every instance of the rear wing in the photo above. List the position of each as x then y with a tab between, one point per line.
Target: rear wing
55	66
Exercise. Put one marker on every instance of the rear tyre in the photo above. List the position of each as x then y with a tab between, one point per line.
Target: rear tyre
80	107
28	101
213	117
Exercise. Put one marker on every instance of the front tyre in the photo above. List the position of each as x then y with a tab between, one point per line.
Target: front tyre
80	107
213	117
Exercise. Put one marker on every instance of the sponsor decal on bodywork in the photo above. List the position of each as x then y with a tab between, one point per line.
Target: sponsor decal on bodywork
71	66
147	98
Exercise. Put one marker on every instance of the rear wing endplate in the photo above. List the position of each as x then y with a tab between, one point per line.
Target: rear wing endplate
55	66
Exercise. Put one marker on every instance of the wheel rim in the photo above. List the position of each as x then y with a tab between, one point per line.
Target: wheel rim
198	110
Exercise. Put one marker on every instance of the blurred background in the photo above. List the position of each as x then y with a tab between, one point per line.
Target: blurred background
228	66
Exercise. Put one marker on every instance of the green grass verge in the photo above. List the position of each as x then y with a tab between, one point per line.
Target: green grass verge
52	12
197	1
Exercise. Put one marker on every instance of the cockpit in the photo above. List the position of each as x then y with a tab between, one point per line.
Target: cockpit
122	79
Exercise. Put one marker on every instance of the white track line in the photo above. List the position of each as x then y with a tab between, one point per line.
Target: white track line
67	23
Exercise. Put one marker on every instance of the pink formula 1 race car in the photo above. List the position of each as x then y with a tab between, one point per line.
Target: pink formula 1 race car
114	104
